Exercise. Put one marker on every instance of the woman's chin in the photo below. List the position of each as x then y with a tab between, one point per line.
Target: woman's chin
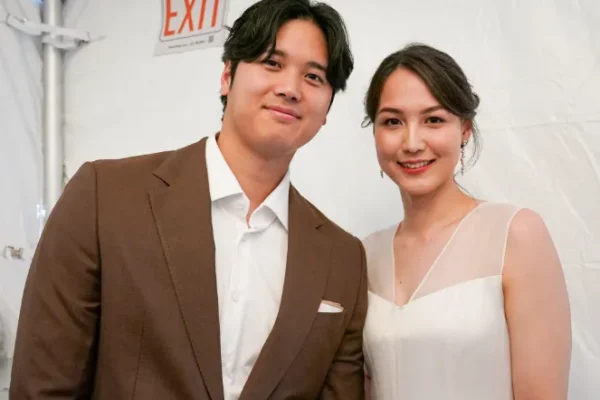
418	188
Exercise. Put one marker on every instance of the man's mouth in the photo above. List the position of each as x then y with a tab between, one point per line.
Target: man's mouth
285	112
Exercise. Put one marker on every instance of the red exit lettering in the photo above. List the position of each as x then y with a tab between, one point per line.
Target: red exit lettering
187	23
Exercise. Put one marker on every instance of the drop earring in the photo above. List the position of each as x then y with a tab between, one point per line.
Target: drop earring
381	173
462	157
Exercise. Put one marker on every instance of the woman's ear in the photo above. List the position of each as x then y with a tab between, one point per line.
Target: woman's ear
467	130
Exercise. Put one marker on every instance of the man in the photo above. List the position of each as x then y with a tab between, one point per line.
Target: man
202	273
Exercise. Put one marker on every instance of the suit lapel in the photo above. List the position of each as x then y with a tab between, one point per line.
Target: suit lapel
306	273
182	212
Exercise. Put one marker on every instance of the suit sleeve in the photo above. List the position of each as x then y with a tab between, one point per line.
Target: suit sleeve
60	310
346	378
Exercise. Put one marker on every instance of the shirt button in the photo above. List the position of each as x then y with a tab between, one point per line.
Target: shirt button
235	296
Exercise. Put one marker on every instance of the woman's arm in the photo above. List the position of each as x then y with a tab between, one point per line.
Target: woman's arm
537	311
367	385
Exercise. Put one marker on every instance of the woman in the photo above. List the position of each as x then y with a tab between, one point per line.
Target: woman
467	297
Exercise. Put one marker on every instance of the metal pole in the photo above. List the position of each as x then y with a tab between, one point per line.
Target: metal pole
53	102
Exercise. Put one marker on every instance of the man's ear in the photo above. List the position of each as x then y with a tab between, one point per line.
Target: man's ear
226	79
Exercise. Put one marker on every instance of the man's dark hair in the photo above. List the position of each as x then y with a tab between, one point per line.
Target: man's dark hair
254	33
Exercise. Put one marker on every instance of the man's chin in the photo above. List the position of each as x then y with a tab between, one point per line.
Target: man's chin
270	147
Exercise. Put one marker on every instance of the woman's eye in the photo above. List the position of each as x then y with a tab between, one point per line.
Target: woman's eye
434	120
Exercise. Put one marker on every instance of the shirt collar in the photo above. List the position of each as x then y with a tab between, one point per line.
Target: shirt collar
222	183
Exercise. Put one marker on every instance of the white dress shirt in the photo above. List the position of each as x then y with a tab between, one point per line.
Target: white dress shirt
250	267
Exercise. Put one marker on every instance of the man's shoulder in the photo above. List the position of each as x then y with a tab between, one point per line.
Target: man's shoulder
135	162
136	166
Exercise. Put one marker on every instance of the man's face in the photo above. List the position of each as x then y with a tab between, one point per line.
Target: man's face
278	104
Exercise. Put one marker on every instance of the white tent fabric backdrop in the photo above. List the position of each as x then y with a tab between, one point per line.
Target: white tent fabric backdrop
20	163
536	67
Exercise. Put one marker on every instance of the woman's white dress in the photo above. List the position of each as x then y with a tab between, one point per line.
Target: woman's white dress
450	340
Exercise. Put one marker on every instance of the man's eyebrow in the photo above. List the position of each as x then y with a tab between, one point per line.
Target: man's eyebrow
313	64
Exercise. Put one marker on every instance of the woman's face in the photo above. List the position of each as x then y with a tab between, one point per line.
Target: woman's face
418	141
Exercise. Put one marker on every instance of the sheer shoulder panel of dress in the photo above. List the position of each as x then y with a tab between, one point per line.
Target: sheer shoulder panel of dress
475	250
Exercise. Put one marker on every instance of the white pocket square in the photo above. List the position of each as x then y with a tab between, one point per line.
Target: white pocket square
330	307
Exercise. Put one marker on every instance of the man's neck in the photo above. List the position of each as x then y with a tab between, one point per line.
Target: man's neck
257	176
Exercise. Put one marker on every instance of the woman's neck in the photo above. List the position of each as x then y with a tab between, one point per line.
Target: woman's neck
425	215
